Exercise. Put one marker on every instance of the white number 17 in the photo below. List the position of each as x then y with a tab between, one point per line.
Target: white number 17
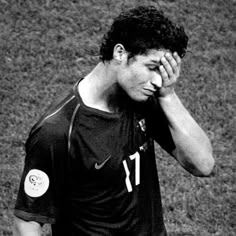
135	157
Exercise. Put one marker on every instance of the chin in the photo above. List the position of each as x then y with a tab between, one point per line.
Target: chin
141	99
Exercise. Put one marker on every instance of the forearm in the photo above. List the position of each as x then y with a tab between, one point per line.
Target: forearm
26	228
193	149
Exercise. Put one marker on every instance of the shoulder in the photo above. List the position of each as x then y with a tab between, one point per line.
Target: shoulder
45	137
53	126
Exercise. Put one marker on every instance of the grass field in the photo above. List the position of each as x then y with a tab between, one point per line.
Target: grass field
46	45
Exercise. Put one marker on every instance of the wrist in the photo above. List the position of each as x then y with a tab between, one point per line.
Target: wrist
167	97
164	92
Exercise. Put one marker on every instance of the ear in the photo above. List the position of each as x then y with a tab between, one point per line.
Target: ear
119	53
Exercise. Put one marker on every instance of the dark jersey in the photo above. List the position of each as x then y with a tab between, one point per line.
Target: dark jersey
90	172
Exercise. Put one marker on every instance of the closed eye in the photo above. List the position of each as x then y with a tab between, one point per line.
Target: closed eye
154	68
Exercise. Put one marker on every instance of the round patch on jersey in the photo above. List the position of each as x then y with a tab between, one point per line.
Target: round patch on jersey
36	183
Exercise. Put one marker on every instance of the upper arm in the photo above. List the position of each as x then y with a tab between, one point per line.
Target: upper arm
26	228
41	186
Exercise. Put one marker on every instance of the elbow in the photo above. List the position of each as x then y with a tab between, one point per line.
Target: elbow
205	167
209	167
206	161
199	164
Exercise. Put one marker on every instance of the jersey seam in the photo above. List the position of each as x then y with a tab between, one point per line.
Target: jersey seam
71	126
60	108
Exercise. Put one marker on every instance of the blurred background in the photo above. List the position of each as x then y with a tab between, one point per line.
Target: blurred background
46	45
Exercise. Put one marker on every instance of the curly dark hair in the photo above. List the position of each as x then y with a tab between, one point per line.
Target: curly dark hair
140	29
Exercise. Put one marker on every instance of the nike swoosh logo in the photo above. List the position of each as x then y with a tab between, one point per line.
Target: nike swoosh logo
98	166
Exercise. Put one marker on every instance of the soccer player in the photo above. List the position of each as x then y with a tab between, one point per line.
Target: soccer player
90	166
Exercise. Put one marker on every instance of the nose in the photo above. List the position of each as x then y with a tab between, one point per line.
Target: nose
156	81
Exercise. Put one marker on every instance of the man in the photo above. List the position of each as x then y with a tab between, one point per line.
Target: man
90	162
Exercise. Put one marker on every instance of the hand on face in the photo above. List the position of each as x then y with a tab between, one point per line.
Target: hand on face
170	70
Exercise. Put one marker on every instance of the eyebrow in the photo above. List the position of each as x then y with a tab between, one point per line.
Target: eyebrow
158	63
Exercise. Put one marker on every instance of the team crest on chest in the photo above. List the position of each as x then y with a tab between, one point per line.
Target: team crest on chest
142	125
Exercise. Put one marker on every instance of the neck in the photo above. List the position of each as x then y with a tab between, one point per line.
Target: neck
99	89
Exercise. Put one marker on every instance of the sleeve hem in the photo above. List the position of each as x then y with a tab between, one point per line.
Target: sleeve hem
34	217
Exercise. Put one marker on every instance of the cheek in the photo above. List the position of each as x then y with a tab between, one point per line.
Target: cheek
133	79
130	80
140	76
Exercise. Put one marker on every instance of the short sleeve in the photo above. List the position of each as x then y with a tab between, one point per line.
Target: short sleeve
158	127
42	181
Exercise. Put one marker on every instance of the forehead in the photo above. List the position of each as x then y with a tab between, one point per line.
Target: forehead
151	55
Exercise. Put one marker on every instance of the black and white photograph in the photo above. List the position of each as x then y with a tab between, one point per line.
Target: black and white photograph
117	118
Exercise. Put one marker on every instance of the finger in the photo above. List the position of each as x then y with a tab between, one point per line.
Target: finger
173	63
164	75
177	58
167	66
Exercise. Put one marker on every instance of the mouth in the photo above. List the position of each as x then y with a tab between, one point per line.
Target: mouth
149	92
